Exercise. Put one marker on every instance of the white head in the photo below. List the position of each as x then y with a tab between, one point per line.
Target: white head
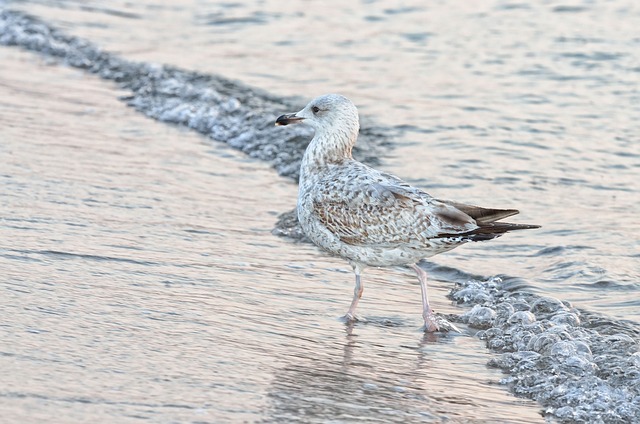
330	113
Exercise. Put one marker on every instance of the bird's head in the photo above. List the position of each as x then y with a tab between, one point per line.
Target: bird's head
330	112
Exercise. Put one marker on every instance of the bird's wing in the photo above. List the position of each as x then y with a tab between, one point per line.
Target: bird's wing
382	210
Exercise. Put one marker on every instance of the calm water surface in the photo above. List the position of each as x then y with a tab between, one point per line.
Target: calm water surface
140	278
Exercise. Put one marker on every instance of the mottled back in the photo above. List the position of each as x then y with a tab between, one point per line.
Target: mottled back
365	207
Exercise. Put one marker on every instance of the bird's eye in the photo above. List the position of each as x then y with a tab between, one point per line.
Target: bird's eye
315	109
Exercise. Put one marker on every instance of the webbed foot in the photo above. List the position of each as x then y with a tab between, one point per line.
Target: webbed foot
434	322
351	318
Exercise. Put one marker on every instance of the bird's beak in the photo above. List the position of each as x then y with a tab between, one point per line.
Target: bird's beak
290	118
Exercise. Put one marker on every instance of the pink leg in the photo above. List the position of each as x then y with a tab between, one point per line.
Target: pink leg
357	294
430	323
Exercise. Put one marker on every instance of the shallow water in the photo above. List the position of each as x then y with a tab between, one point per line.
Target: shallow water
535	104
141	281
138	257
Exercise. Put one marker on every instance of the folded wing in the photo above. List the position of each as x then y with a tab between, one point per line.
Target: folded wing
386	211
383	214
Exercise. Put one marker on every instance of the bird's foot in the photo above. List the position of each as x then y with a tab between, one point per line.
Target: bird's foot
350	318
430	323
433	323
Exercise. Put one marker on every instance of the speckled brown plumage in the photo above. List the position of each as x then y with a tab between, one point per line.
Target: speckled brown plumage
371	218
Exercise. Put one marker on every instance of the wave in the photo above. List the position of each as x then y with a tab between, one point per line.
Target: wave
222	109
581	367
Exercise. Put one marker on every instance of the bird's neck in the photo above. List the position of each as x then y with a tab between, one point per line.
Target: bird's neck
329	148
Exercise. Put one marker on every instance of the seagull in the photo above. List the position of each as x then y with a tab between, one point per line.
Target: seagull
371	218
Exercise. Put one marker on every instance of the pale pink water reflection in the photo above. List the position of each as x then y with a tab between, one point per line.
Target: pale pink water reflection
140	277
141	281
534	105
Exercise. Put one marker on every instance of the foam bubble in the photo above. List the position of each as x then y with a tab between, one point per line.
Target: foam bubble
580	368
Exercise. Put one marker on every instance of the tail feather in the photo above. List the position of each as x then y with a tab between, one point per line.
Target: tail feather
482	215
486	218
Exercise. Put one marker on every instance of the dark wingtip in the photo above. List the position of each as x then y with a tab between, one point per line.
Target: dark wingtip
503	227
525	226
490	231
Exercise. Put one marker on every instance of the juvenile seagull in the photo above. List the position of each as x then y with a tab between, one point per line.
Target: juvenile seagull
371	218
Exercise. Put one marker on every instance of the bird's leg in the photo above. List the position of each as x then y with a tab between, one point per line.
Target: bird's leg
357	294
430	323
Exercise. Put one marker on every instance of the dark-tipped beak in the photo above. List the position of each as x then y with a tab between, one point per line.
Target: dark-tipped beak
290	118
